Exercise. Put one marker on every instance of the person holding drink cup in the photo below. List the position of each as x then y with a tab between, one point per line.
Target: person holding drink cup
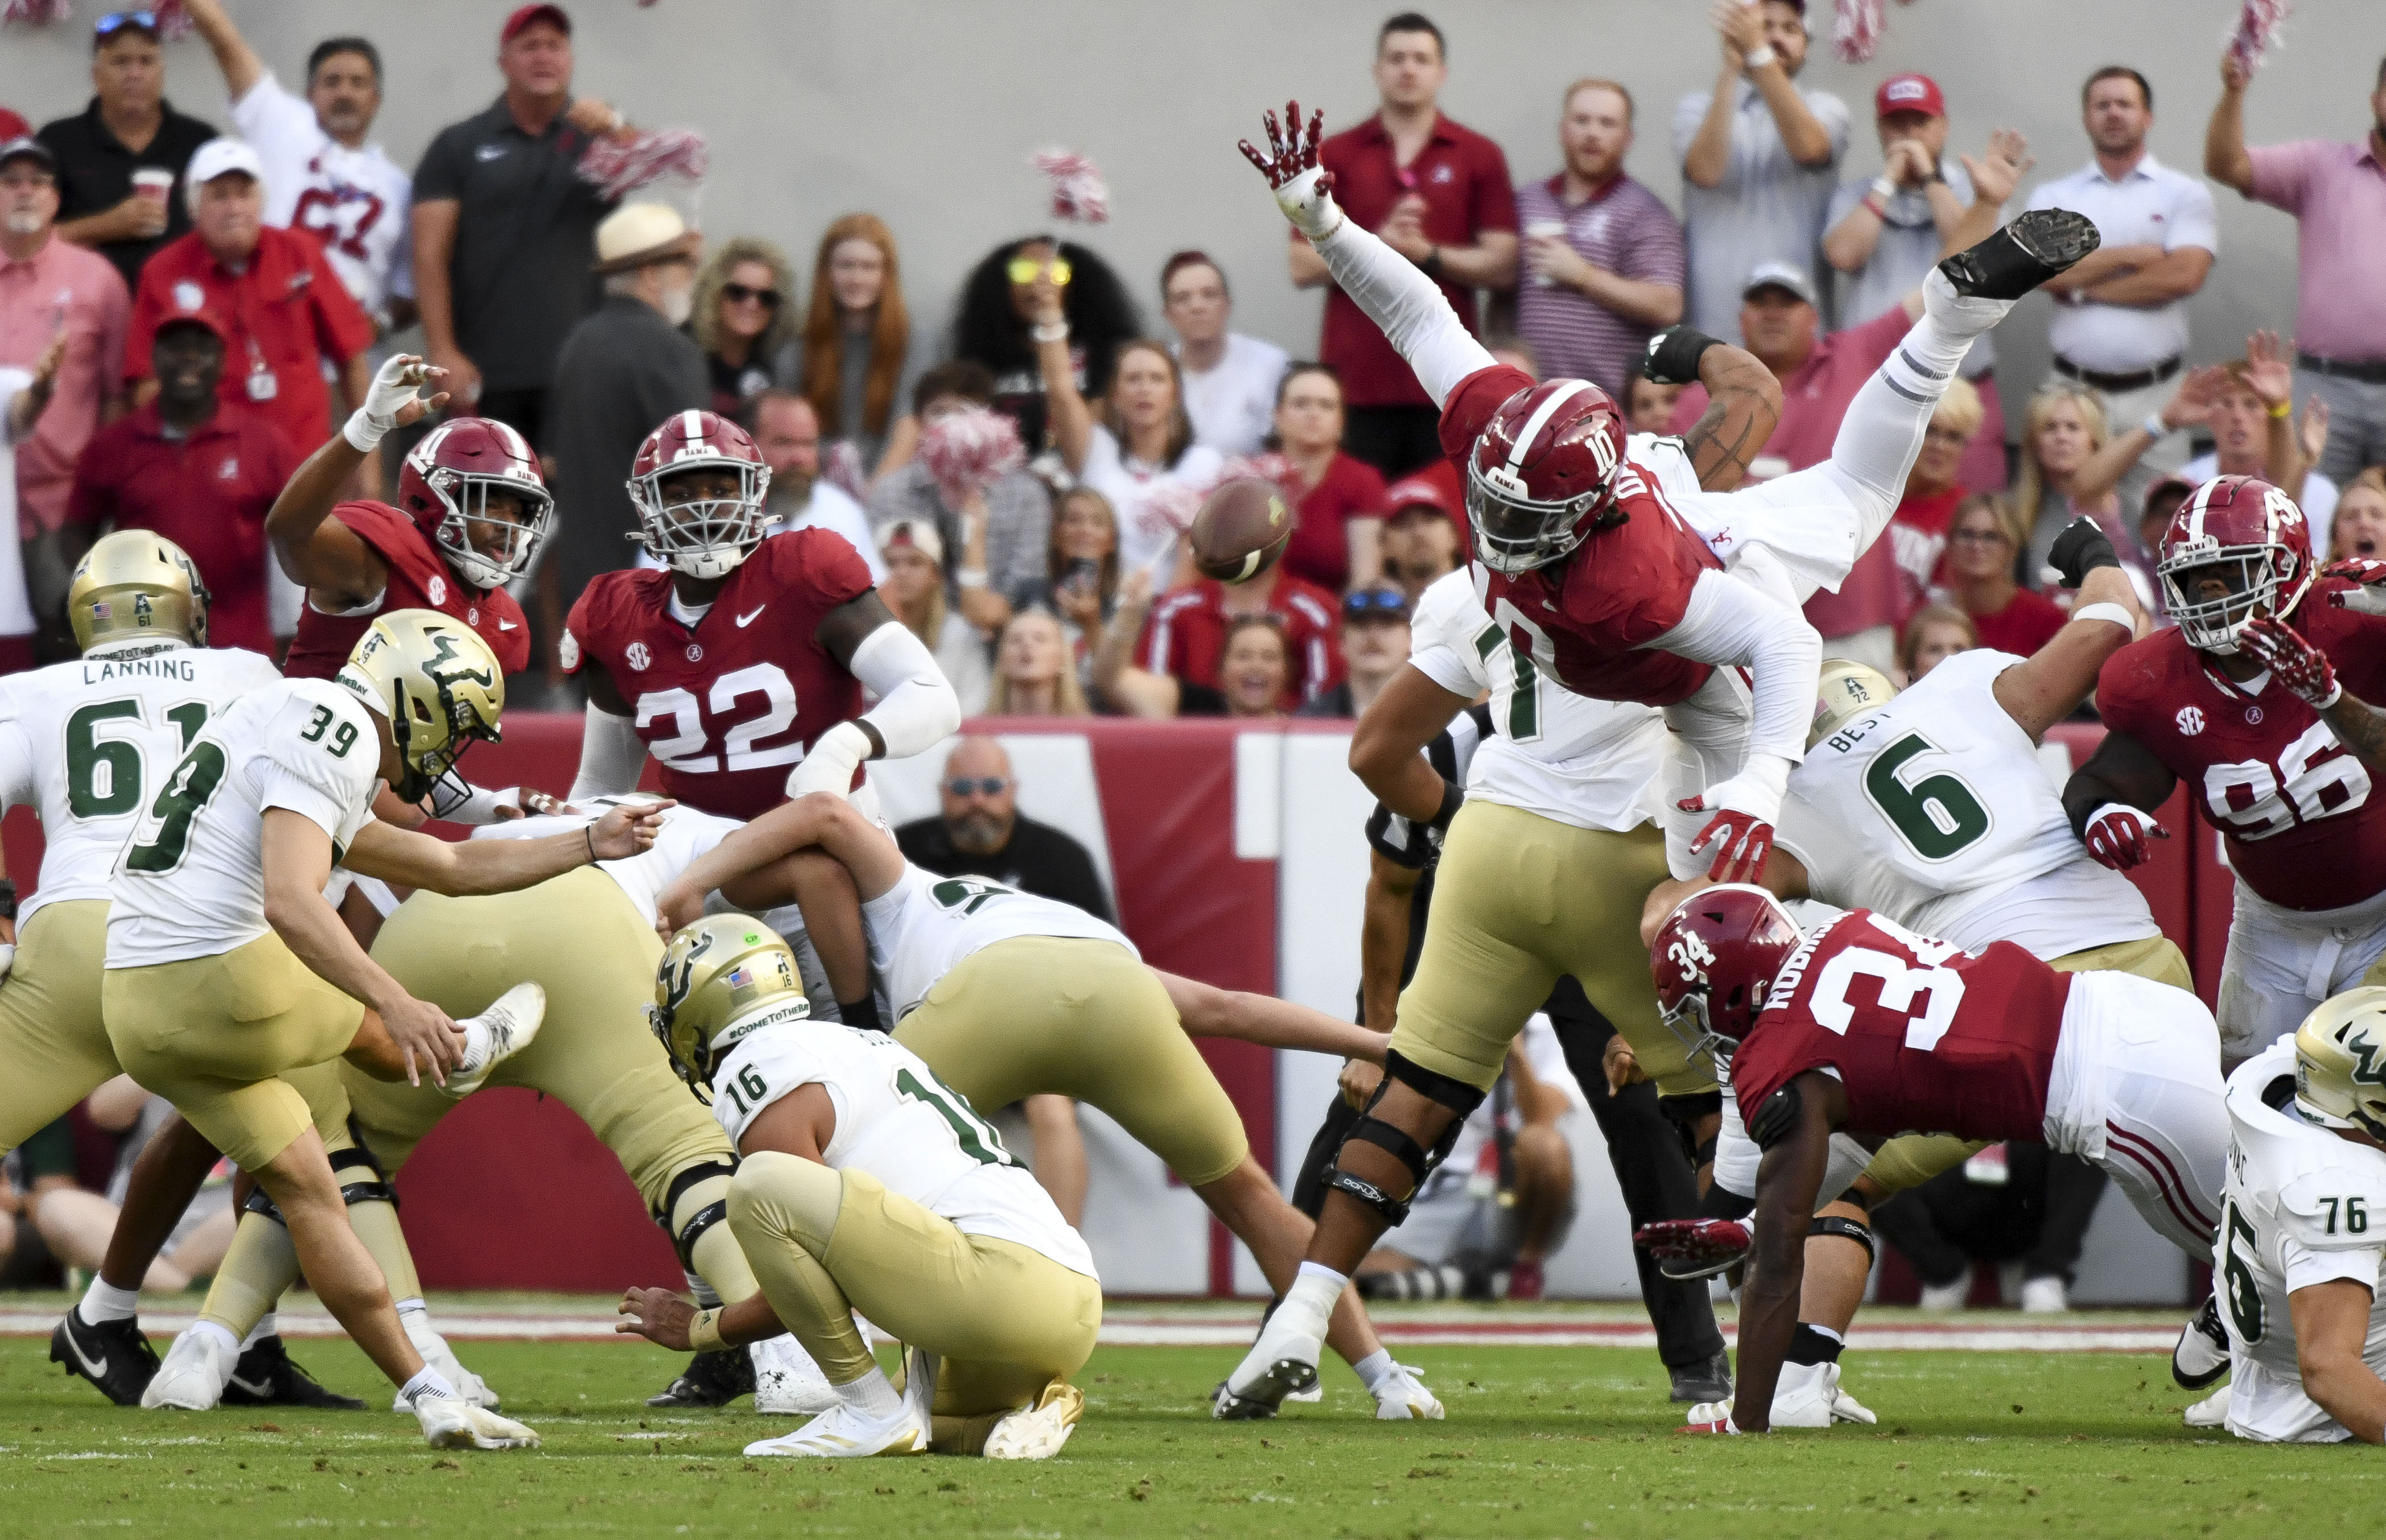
119	158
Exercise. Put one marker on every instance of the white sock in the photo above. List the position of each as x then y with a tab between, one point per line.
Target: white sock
873	1396
265	1328
427	1382
218	1333
1375	1368
105	1301
477	1047
412	1307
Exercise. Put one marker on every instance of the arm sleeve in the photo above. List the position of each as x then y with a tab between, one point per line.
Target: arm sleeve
1415	317
612	756
1733	624
916	705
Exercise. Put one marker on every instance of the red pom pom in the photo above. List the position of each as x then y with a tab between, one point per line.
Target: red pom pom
1855	30
2257	27
173	19
36	13
967	451
1078	190
620	166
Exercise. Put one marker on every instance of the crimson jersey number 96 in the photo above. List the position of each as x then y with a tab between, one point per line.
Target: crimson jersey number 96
2316	778
677	734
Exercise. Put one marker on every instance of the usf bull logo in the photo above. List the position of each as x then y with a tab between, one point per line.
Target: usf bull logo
676	981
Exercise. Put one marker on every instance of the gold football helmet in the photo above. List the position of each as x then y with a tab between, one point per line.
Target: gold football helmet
135	586
2340	1062
721	978
1846	692
436	682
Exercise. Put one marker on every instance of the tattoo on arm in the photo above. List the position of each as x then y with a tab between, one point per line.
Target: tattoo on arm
2360	727
1743	407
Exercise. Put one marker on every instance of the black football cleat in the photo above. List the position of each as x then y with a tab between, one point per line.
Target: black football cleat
265	1376
1710	1381
113	1355
2201	1355
710	1379
2022	255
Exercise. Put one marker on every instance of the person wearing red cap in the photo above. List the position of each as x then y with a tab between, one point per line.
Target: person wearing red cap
1421	535
197	469
12	126
503	225
1884	234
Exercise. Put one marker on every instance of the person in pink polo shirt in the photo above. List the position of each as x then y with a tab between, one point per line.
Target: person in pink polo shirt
2337	193
1820	375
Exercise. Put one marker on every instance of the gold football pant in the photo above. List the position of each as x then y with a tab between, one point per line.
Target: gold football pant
1080	1017
581	938
1518	900
1912	1159
54	1047
1006	1318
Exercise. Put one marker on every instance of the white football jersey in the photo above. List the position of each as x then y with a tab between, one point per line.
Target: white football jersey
923	927
357	201
1934	810
897	1121
86	744
1594	764
190	880
2303	1207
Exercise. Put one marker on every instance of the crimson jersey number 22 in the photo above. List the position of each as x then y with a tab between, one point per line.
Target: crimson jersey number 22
690	746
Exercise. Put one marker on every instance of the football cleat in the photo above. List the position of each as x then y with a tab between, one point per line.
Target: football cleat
841	1432
436	1354
715	1380
193	1378
512	1023
2201	1355
450	1423
1037	1432
2026	253
1807	1395
114	1355
2210	1412
1710	1381
785	1380
265	1376
1283	1361
1694	1248
1401	1396
2045	1295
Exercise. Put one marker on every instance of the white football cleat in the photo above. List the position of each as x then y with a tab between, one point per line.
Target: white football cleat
192	1377
469	1387
508	1025
1806	1396
1401	1396
1037	1432
2047	1296
841	1432
2202	1353
450	1423
2210	1412
1947	1297
786	1382
1283	1361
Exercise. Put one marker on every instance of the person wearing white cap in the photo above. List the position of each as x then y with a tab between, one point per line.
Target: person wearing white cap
626	366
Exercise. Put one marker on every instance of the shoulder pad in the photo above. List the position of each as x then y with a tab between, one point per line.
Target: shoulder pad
2336	1208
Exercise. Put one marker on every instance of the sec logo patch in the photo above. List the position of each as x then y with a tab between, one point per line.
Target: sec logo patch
435	590
636	656
2191	721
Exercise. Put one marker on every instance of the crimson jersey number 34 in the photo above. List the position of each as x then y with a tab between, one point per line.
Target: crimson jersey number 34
697	737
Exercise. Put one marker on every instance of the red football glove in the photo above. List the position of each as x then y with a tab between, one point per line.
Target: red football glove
1693	1248
1304	190
2293	662
2116	833
1742	839
1727	1427
2370	597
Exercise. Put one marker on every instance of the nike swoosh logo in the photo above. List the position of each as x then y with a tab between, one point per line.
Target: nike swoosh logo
507	625
96	1369
254	1387
747	618
491	152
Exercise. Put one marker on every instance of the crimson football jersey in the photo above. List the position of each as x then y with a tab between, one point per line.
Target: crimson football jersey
419	577
2303	827
1588	618
1925	1036
727	708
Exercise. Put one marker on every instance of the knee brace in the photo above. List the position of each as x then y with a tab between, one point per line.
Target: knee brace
259	1204
1847	1230
685	1232
361	1178
1460	1098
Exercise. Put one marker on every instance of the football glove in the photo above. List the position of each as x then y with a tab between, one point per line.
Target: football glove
1745	809
1304	190
830	765
2080	550
2116	836
2370	597
1673	354
2293	662
394	385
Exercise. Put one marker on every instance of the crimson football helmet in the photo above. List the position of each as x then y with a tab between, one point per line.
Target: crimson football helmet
445	488
1542	476
1714	960
2255	538
704	537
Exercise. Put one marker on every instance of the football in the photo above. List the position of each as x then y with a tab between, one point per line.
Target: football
1243	526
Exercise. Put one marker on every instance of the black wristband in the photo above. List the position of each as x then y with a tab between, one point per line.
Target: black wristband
1453	798
8	898
1431	266
2080	550
1674	354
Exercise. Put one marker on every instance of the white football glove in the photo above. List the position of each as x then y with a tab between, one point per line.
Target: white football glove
395	383
830	765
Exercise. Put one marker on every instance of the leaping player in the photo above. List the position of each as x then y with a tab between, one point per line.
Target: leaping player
1608	567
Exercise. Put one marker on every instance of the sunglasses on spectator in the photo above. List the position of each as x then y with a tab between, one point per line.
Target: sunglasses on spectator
1980	537
115	21
738	293
978	785
1024	268
1374	604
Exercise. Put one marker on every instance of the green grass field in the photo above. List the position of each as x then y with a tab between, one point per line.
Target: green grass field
1540	1442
